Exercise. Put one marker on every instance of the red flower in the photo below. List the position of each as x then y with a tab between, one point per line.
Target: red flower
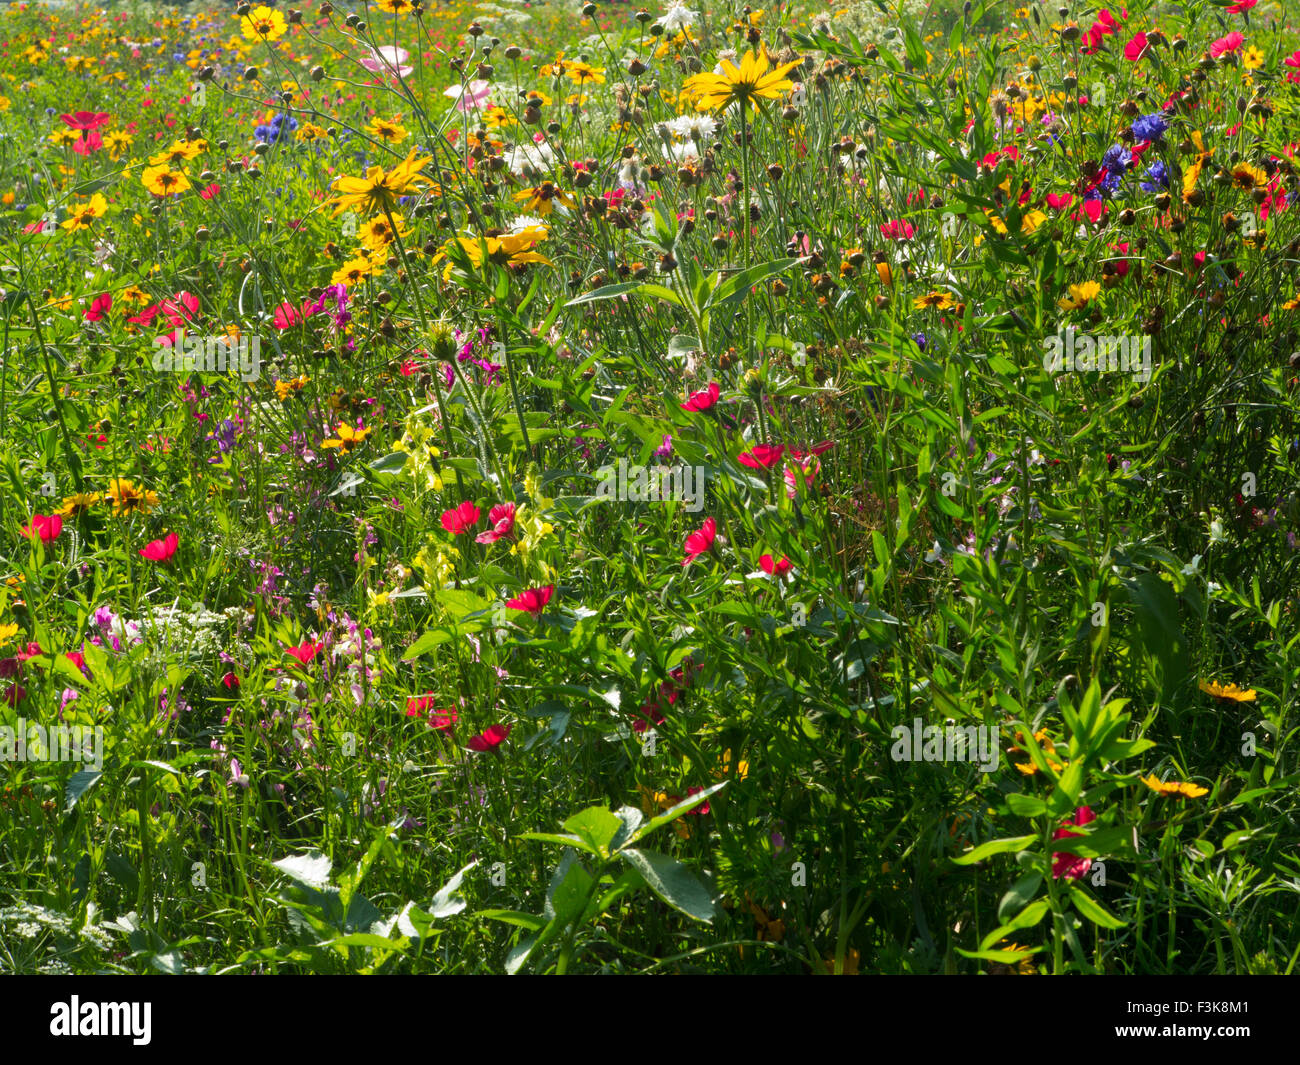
534	600
78	660
181	308
700	810
490	738
230	682
421	705
1065	864
1136	48
88	143
15	694
703	400
1057	201
1230	43
700	541
47	527
897	230
1242	6
87	120
99	307
211	191
502	518
762	457
461	519
776	567
287	315
305	652
160	550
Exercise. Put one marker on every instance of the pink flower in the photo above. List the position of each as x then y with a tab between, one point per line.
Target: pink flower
1136	48
1065	864
533	601
1230	43
1242	6
490	739
287	315
471	97
86	120
700	541
161	550
897	230
703	400
99	307
388	60
88	143
502	518
47	527
800	475
1057	201
762	456
461	519
776	567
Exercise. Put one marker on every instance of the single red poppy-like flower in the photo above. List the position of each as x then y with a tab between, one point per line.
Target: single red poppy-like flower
230	682
47	527
490	738
461	519
211	191
87	120
305	652
502	518
1065	864
776	567
99	307
704	400
762	457
161	550
700	541
533	600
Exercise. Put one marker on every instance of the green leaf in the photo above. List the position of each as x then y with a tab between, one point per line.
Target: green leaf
1092	909
672	882
672	814
431	639
391	463
735	288
449	900
597	826
311	869
1021	893
79	783
995	846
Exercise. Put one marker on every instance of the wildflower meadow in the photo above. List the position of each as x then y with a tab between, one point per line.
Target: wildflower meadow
544	487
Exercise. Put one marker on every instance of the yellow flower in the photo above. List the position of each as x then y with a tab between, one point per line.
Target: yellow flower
376	234
128	498
179	152
1252	58
309	131
1174	787
134	294
1248	177
1227	692
1080	296
117	142
742	766
84	214
390	132
285	389
354	271
65	138
584	72
7	633
163	180
262	24
939	300
378	191
751	81
395	7
347	439
540	200
511	249
79	503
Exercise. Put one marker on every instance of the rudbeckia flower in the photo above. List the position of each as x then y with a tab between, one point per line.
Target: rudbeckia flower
1227	692
753	80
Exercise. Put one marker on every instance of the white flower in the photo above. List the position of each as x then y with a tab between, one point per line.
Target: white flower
677	18
530	157
1192	567
935	554
1216	532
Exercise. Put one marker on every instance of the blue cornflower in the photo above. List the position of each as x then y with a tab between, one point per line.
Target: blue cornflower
1157	177
1150	127
1117	159
919	339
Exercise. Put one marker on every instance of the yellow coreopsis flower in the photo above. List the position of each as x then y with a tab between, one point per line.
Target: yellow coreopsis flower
354	271
7	633
1080	296
179	152
82	215
1174	787
584	73
541	200
379	190
285	389
1252	58
163	180
128	498
262	24
117	142
377	234
388	131
753	80
938	300
1227	692
347	438
78	504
